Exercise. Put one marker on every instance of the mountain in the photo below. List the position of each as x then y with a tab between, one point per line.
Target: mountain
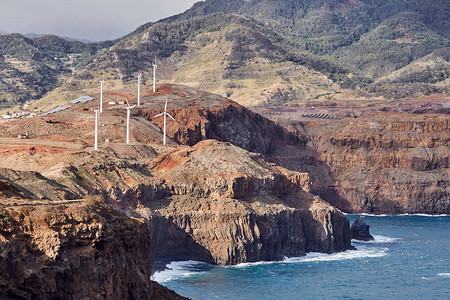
257	52
226	54
31	67
360	34
67	38
370	39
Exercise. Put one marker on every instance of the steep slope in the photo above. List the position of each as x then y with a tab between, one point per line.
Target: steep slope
239	208
220	53
265	211
392	44
387	144
389	162
362	35
31	67
433	68
274	52
74	251
382	157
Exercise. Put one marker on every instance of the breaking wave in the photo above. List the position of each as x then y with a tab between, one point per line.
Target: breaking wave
401	215
379	239
182	269
179	269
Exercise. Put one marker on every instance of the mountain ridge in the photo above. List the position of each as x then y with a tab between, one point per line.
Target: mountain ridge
353	44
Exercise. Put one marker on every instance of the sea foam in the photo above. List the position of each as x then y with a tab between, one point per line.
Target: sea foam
362	252
178	269
181	269
379	239
400	215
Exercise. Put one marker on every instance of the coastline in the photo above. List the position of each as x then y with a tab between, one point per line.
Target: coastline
400	262
396	215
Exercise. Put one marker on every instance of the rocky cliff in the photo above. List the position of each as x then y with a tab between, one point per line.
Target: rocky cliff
213	202
73	251
226	205
389	160
389	163
380	162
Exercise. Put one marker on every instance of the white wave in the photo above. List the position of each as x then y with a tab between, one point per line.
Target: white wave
249	264
176	270
444	274
372	215
379	239
399	215
362	252
181	269
426	215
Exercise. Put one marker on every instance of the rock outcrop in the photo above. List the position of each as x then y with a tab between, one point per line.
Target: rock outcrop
213	202
377	161
385	163
360	230
228	206
74	251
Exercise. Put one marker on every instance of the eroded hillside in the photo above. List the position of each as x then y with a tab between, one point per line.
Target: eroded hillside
218	202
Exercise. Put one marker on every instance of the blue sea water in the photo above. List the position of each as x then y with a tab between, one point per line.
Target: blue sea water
409	259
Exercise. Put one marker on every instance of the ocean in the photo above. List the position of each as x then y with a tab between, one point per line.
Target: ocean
409	259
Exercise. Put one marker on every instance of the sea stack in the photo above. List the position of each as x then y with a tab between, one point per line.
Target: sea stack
360	230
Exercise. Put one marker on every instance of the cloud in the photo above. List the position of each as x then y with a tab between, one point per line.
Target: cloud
88	19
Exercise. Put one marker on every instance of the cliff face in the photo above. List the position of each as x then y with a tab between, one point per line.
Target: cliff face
381	162
233	232
214	202
385	163
208	116
228	206
74	251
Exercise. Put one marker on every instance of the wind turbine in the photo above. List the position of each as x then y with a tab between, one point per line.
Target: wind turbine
128	120
139	88
154	76
96	130
164	114
101	94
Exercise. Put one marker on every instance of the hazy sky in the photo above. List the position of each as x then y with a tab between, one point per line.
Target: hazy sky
85	19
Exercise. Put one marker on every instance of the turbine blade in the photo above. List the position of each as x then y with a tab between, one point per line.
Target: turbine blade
170	116
158	115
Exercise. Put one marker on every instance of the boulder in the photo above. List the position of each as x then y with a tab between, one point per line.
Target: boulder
360	230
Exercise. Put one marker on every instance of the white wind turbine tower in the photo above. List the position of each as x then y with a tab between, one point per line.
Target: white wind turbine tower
128	121
139	88
154	76
164	114
96	130
101	94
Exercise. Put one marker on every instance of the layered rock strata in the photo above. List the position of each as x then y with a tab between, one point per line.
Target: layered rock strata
214	202
381	160
385	163
228	206
74	251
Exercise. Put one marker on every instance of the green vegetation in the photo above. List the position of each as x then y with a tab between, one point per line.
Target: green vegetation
266	50
4	219
370	38
30	68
